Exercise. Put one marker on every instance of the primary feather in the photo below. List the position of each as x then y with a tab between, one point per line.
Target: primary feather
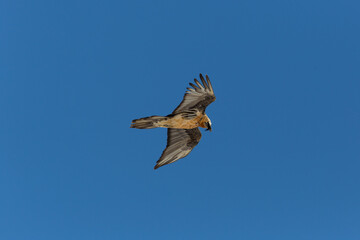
199	96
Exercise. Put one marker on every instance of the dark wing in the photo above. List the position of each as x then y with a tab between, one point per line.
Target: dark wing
200	96
180	142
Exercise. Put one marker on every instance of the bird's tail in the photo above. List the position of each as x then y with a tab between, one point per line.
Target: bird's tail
148	122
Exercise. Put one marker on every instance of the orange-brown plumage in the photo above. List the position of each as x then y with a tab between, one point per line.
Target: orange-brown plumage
178	121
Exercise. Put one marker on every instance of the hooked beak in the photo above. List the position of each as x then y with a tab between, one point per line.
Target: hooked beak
208	127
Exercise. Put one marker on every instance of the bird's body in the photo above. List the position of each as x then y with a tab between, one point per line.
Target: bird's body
183	122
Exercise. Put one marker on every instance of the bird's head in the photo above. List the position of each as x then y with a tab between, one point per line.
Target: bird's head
206	123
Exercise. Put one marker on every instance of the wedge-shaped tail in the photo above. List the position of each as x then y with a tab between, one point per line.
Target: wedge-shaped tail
147	122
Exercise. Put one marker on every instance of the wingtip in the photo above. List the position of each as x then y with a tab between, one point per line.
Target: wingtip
203	81
201	76
209	83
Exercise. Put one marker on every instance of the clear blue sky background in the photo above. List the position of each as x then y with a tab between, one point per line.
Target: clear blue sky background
282	161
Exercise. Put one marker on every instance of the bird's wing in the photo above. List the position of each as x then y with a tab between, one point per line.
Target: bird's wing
200	96
180	142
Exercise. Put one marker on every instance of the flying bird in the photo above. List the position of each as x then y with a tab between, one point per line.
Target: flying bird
183	123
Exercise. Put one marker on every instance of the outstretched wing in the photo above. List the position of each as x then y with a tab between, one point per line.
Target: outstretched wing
200	96
180	142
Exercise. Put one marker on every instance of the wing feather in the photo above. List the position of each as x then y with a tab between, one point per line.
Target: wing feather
203	80
180	143
198	83
200	96
209	83
194	86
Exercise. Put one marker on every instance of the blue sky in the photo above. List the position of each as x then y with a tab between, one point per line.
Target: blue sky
282	161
